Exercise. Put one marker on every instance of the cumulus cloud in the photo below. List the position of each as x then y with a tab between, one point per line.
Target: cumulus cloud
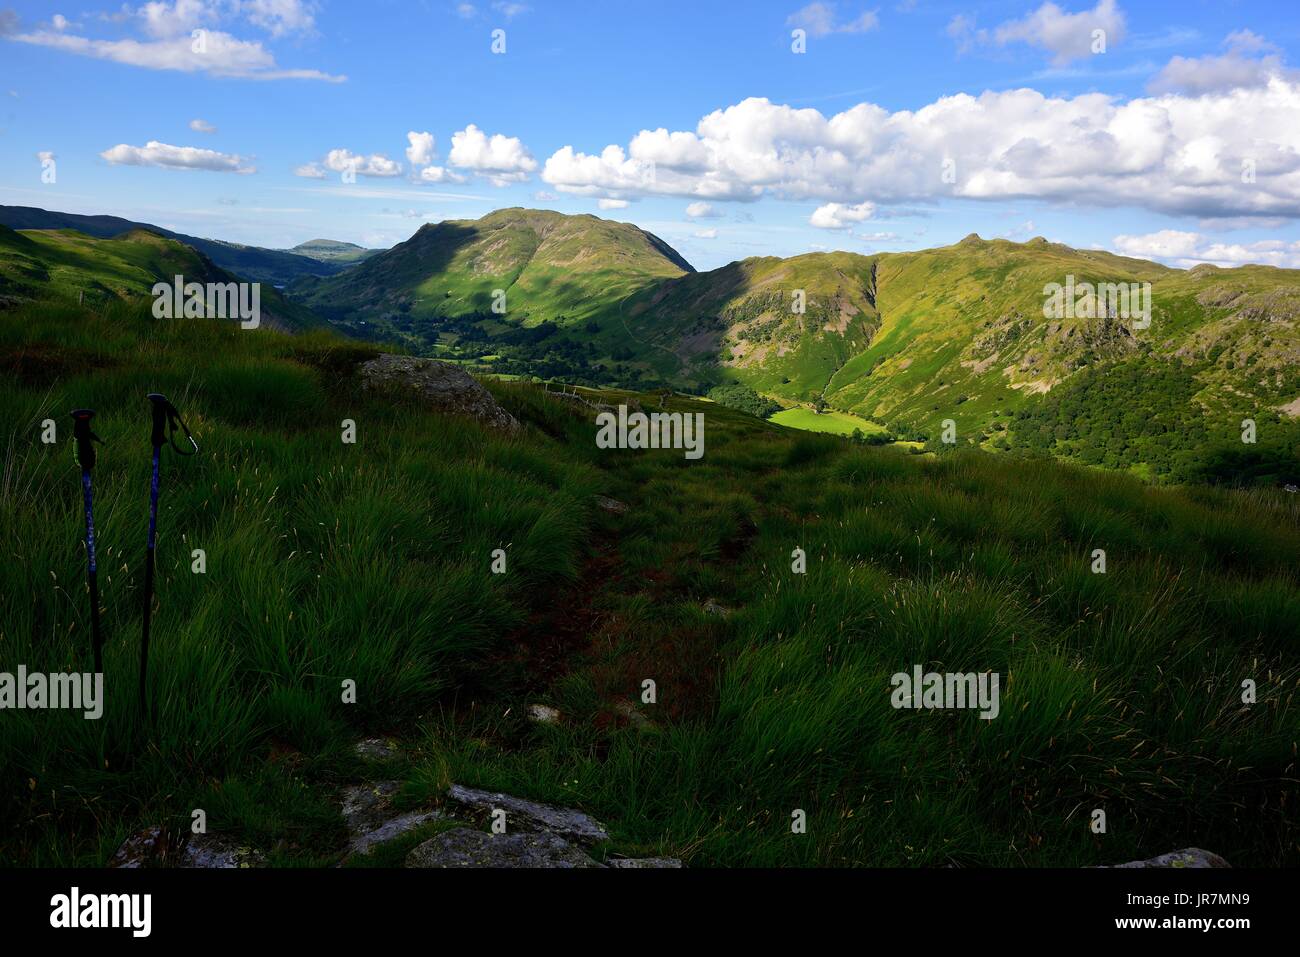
613	204
202	126
500	159
1249	61
420	151
702	210
822	19
1172	153
1186	249
166	156
374	165
440	174
1066	36
840	216
166	42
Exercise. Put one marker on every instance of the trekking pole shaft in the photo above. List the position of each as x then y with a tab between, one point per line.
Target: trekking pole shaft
92	574
148	581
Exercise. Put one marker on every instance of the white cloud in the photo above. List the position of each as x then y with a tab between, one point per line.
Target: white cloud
839	216
279	17
166	156
821	19
1066	36
202	126
310	171
613	204
500	159
45	156
167	43
466	11
59	22
420	152
440	174
706	234
545	196
1185	249
1238	68
510	10
375	165
702	210
1172	153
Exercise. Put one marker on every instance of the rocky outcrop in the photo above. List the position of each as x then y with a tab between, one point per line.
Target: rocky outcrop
463	847
1190	857
527	815
440	386
371	819
157	847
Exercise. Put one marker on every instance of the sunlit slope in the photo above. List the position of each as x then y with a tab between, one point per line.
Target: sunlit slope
66	265
550	267
782	326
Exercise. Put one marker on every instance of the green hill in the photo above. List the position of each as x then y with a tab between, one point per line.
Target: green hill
276	267
333	251
68	266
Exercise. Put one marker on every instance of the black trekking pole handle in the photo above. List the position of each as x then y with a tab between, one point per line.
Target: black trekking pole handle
166	419
85	438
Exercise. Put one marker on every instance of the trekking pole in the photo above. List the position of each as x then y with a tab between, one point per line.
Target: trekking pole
165	421
85	449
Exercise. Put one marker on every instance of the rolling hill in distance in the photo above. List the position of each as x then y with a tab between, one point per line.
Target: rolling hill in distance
279	267
67	265
909	341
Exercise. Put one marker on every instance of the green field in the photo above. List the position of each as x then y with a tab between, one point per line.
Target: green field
837	423
371	562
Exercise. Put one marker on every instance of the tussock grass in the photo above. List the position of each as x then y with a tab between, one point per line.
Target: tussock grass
1120	691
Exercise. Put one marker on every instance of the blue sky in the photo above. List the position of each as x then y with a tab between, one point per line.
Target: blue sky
1164	130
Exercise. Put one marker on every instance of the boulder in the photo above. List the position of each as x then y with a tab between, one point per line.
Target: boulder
464	847
439	385
629	863
527	815
1191	857
156	847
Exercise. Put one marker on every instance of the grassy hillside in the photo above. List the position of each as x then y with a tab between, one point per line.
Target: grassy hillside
564	279
68	266
277	267
326	561
333	251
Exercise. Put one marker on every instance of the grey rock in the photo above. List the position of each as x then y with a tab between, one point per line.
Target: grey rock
527	815
464	847
612	504
711	607
371	819
1190	857
634	715
543	714
153	847
378	749
439	385
629	863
